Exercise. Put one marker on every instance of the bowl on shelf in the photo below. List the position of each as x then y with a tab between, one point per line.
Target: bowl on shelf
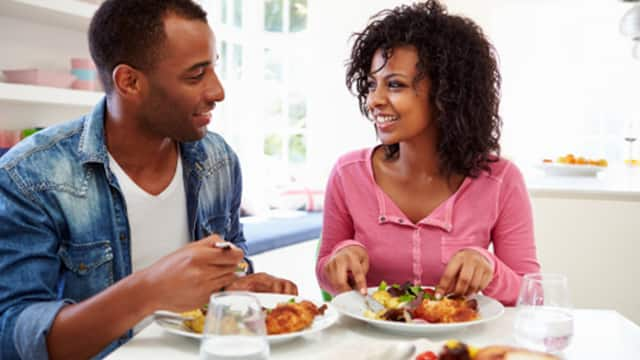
82	63
39	77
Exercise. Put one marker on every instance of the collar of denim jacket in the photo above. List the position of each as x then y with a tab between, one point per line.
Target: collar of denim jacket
92	147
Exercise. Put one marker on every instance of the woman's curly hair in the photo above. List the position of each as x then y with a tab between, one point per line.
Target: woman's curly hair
461	64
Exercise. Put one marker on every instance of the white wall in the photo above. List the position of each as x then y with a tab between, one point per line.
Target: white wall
336	125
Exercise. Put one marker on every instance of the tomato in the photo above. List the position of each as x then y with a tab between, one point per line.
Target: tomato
429	291
427	355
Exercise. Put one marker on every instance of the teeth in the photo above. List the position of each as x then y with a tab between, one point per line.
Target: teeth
203	114
385	119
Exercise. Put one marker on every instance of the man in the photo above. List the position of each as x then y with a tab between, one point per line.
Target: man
89	208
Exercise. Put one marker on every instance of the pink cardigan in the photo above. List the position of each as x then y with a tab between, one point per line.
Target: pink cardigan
491	209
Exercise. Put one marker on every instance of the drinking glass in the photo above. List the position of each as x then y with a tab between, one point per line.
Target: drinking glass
234	328
630	136
544	320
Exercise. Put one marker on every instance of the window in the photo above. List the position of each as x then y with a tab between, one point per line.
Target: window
263	57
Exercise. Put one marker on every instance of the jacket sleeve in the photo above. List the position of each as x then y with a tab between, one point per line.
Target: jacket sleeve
29	268
236	235
337	227
513	240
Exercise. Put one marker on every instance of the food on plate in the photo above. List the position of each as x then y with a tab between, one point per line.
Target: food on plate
198	315
291	317
511	353
571	159
456	350
285	318
415	304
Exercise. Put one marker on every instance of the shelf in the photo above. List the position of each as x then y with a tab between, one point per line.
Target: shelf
72	14
19	93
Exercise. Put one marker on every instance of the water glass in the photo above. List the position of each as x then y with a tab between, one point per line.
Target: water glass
544	319
234	328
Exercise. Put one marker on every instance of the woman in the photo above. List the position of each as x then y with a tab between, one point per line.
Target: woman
425	205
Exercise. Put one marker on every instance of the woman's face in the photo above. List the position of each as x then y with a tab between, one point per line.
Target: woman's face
398	107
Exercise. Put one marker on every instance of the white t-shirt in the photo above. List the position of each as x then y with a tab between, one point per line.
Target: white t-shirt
158	223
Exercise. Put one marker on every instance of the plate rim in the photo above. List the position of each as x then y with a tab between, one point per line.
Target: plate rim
329	318
418	327
575	168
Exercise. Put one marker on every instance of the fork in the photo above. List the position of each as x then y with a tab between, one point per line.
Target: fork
171	316
372	303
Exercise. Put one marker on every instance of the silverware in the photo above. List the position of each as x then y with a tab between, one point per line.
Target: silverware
372	304
171	316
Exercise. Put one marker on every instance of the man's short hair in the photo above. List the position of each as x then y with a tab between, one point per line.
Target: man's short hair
132	32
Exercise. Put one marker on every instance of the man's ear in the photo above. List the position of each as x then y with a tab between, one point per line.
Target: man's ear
127	81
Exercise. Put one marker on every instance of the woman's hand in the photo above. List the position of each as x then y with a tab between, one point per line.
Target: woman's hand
467	272
349	261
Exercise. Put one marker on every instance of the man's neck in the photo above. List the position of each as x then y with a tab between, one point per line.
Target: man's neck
131	145
149	160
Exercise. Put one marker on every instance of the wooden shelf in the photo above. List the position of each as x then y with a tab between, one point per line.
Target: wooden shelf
72	14
18	93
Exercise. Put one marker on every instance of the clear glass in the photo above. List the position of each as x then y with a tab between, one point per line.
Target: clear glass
234	328
630	136
544	319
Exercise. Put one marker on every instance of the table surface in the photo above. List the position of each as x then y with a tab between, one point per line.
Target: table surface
599	334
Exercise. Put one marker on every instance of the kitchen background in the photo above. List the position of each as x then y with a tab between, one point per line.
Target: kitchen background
570	85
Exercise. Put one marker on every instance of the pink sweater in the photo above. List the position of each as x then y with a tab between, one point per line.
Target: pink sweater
493	208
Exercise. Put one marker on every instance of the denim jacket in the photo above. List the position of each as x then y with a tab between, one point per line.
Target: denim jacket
64	233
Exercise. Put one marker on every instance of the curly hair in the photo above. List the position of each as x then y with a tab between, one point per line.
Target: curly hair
456	56
132	32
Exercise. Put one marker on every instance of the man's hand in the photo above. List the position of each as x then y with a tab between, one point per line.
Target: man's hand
351	259
262	282
185	279
467	272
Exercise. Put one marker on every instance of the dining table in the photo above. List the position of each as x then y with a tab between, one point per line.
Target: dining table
598	334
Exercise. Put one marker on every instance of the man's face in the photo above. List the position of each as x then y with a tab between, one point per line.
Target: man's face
182	86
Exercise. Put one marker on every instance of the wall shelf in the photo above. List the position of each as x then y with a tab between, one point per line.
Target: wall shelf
72	14
18	93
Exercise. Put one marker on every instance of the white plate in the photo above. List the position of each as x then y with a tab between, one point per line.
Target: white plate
570	170
352	304
269	301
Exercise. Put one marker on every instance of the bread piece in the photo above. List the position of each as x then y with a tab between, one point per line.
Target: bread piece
511	353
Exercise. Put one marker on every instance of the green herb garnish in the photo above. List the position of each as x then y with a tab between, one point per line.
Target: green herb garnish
292	301
415	290
382	286
406	297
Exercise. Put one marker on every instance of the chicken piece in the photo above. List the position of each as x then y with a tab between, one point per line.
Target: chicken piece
447	310
292	317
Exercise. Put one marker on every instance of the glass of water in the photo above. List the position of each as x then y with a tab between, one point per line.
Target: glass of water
544	319
234	328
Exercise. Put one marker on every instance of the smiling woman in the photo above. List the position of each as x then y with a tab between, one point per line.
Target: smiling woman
410	207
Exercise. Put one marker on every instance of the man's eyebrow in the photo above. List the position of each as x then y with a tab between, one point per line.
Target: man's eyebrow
199	65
